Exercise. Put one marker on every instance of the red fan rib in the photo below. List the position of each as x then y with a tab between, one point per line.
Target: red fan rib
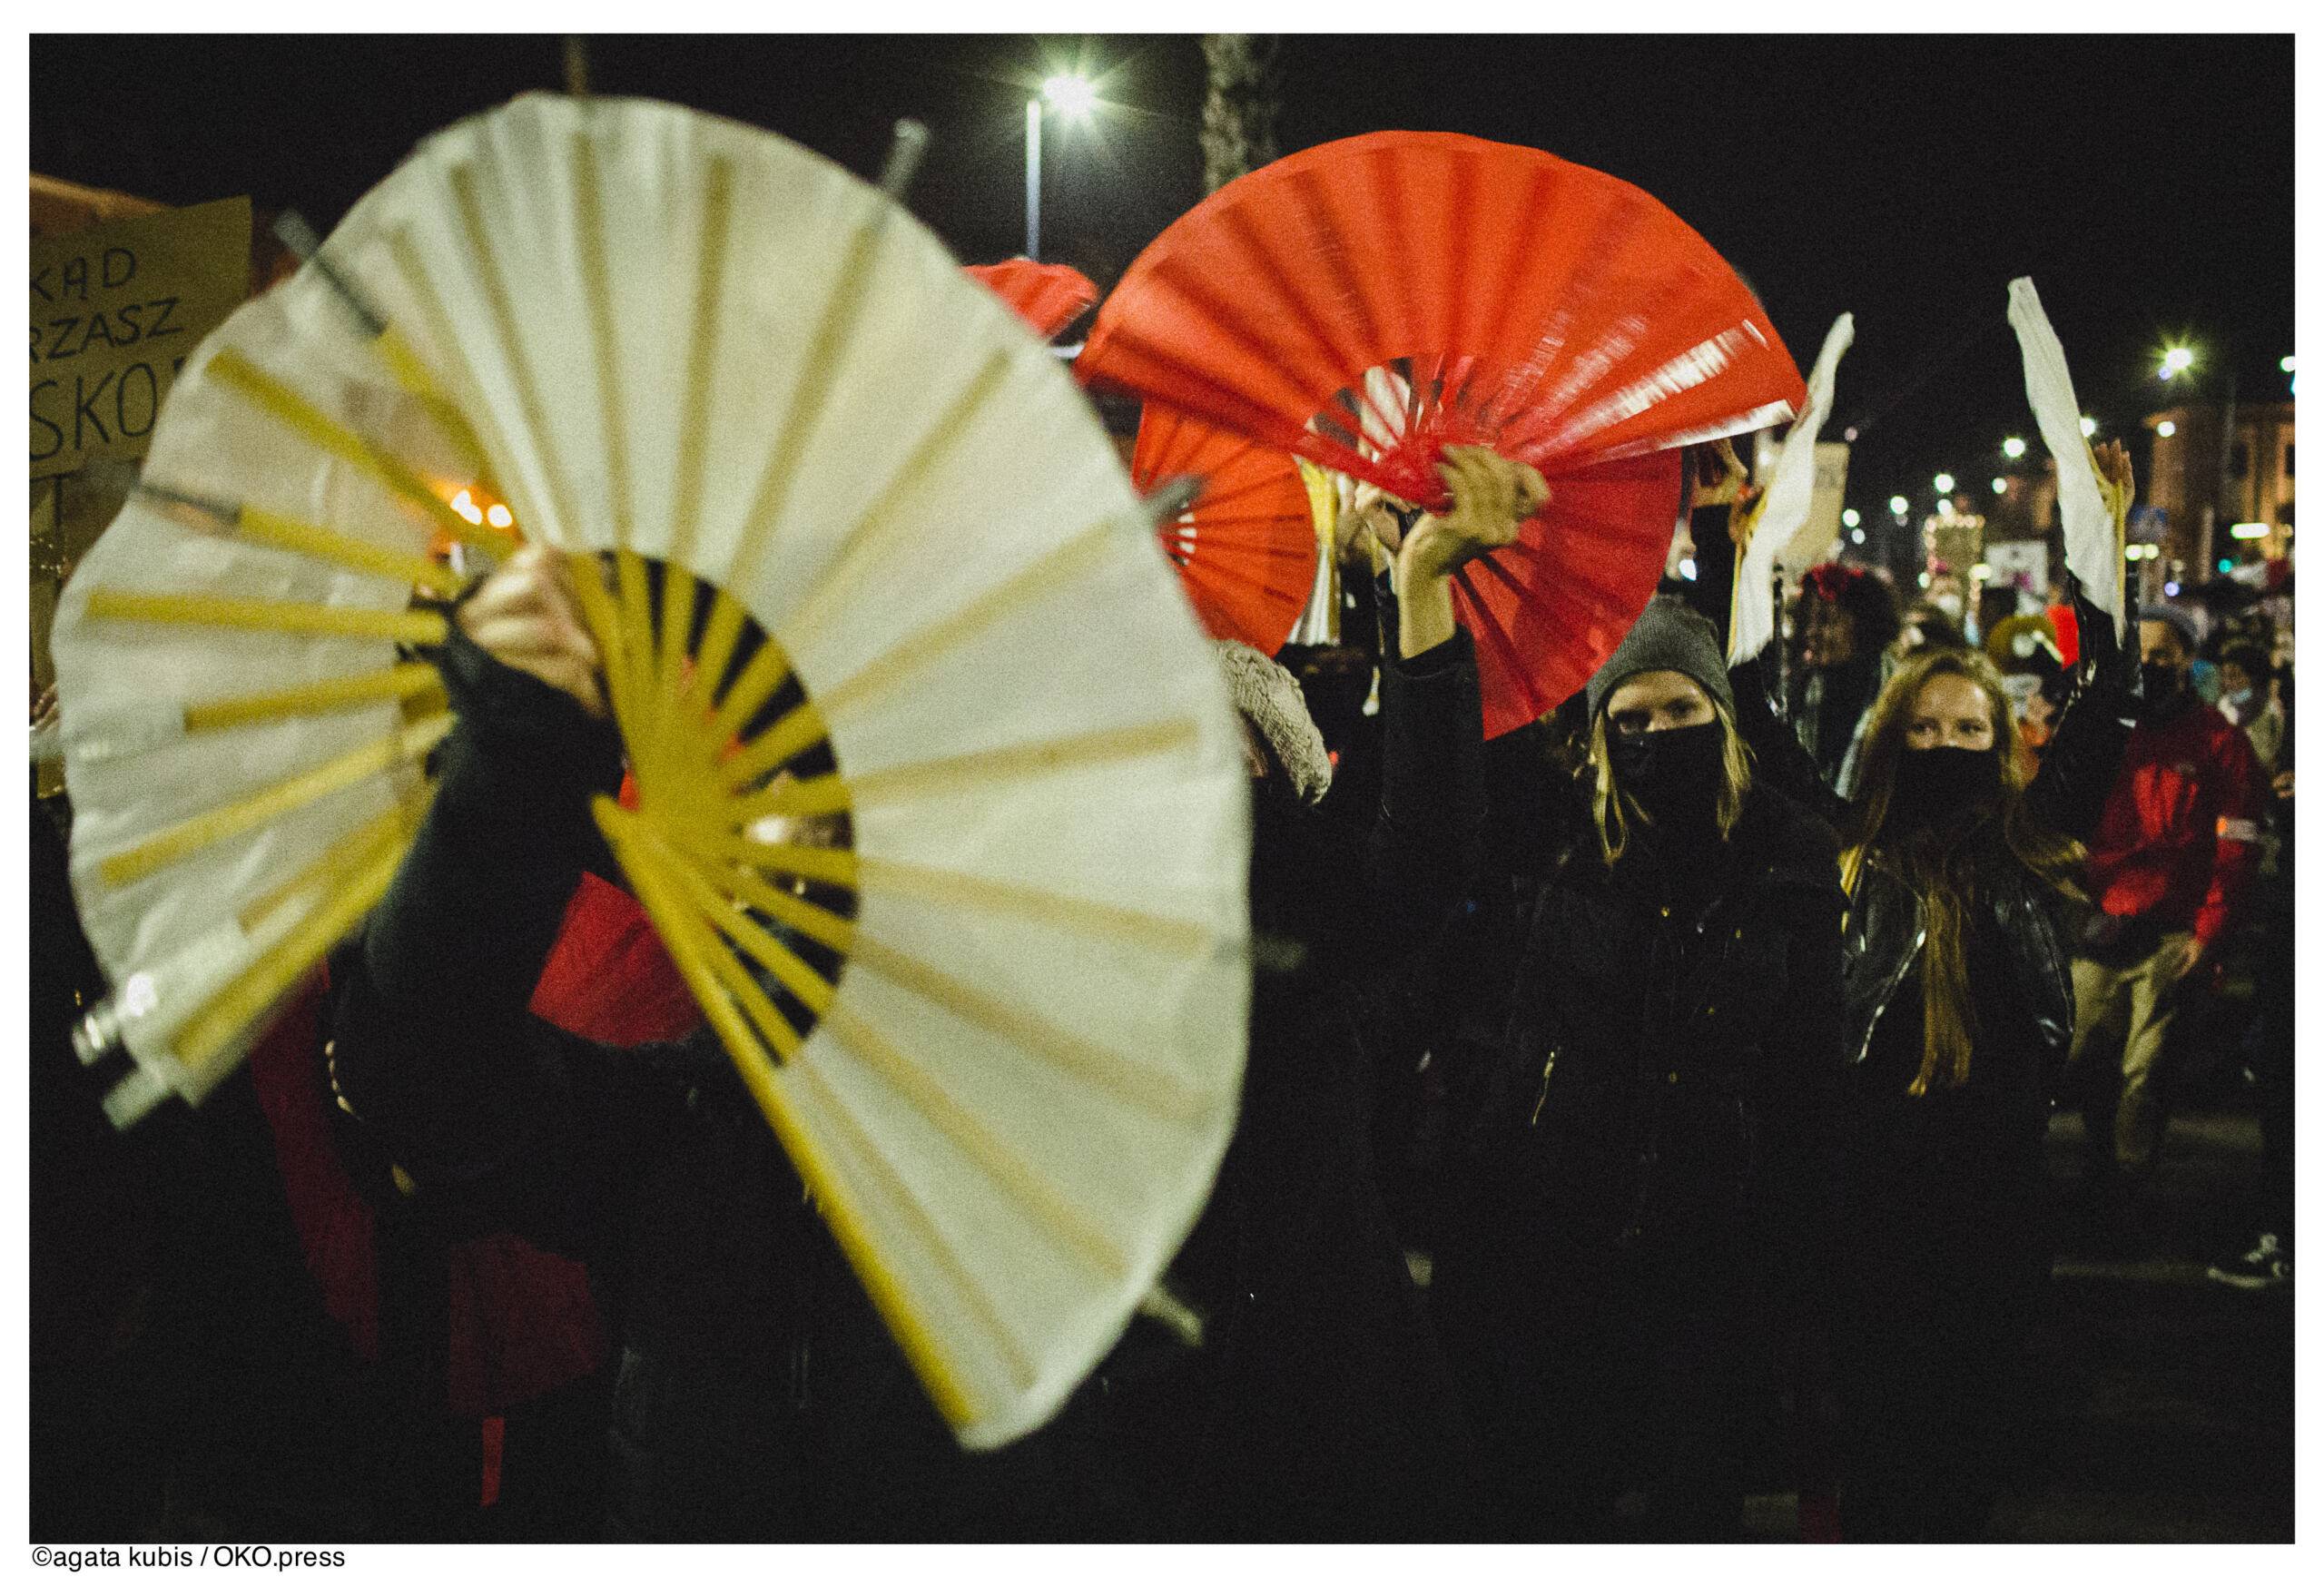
1553	312
1246	551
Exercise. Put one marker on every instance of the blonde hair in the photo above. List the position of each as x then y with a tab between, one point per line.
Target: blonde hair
1944	877
1612	808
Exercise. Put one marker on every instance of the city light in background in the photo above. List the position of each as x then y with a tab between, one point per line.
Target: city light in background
1070	96
1850	517
2014	447
2178	358
2166	428
1899	506
1945	481
2000	484
2089	427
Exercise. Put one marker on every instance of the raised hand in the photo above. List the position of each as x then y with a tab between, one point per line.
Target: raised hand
1492	498
527	615
2116	485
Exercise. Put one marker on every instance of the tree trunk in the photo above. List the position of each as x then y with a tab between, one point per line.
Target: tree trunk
1238	115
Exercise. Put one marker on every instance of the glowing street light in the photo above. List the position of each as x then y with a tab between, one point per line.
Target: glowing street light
2178	358
1849	518
2166	428
2287	364
1072	97
2089	427
1898	505
2013	447
1945	481
2000	484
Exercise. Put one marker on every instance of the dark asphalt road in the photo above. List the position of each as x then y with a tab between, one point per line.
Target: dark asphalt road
2171	1416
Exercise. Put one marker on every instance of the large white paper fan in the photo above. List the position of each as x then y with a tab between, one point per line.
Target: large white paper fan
942	808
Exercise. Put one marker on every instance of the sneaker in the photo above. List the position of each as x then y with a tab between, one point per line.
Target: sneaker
2266	1264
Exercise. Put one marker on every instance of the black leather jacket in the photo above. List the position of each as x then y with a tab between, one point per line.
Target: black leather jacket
1887	930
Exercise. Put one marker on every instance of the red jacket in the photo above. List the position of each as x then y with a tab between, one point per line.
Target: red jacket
2179	839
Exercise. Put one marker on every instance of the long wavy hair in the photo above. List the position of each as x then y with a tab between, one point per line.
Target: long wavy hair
1941	863
1614	808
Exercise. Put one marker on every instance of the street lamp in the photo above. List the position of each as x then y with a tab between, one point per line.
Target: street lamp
2175	361
2013	447
1899	506
2000	484
2166	428
2089	427
1071	96
1850	519
1945	481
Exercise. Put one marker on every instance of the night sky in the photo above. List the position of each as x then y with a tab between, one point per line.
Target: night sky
2145	182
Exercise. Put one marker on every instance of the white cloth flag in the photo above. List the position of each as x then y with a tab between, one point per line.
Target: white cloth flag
1791	492
2093	546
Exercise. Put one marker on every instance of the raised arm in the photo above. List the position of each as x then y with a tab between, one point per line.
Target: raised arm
1432	803
441	1070
2069	792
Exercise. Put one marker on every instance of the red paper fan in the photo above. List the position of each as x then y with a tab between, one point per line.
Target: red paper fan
1246	551
1047	296
1368	302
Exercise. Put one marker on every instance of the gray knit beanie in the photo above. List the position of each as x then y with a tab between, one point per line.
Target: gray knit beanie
1266	692
1668	635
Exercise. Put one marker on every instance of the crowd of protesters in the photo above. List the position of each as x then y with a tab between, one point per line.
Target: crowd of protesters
1644	1109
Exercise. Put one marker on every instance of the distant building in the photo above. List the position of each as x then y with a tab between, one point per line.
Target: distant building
2204	490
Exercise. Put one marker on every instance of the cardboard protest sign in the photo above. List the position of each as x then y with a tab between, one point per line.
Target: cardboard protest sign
116	310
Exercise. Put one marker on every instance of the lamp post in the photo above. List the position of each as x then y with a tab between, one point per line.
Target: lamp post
1072	95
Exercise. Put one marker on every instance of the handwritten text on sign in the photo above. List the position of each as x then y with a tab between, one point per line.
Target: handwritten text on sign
116	310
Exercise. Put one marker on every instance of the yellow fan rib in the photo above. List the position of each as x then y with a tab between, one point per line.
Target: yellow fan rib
503	311
789	734
761	677
797	978
234	371
692	949
273	530
275	970
871	529
1034	1194
400	682
1142	1086
812	920
909	1205
1053	571
406	256
1181	937
405	627
832	867
396	824
411	374
1013	762
341	771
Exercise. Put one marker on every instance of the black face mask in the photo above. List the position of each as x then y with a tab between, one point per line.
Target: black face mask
1674	773
1946	784
2161	681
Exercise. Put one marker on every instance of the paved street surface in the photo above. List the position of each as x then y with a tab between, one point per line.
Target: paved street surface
2171	1417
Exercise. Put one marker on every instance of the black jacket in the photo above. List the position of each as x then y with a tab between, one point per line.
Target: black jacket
1669	1079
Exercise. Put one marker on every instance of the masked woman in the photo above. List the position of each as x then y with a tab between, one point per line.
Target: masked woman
1959	863
1655	1132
